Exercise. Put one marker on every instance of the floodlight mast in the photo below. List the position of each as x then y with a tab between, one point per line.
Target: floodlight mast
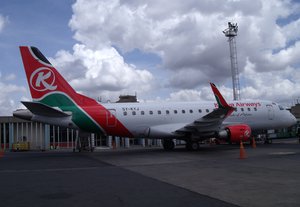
231	33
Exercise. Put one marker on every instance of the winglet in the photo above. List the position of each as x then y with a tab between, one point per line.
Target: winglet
221	101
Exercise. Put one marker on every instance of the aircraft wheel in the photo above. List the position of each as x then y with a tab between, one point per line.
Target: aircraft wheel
193	146
168	144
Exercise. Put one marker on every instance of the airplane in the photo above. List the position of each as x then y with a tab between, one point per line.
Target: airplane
56	102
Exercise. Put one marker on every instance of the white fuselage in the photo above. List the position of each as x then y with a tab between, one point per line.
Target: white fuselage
161	119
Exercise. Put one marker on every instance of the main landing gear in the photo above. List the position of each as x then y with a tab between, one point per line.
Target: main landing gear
83	142
169	144
192	145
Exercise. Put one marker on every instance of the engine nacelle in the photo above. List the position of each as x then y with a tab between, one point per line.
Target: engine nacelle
236	133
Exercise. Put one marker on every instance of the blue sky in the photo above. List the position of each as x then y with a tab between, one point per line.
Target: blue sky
40	23
105	48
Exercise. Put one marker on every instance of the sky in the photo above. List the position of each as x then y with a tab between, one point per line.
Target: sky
160	50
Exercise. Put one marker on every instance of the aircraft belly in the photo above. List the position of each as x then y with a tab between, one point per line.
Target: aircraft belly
140	132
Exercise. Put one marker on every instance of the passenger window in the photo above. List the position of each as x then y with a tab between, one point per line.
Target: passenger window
183	111
207	110
133	113
150	112
235	109
125	113
255	109
200	111
191	111
242	109
175	111
142	113
249	109
159	112
167	112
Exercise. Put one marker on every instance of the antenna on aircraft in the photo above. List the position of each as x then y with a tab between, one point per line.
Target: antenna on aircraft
231	33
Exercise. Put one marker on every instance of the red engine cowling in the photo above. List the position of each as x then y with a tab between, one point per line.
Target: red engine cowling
236	133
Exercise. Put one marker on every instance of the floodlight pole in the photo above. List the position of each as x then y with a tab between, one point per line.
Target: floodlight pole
231	33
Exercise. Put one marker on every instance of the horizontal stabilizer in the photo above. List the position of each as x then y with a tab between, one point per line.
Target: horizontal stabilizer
43	110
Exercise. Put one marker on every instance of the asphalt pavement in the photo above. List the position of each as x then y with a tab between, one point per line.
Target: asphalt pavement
78	179
212	176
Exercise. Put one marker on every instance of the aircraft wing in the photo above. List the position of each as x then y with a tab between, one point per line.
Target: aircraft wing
211	122
206	125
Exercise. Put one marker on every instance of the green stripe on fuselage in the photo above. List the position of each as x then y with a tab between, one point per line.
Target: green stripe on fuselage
83	121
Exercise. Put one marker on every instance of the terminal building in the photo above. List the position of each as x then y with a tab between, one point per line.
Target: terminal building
47	137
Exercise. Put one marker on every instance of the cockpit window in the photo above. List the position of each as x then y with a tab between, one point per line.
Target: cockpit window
280	107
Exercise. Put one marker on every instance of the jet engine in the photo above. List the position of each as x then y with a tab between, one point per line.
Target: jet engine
235	133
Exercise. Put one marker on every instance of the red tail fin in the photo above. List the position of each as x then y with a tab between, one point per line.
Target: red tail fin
49	87
43	79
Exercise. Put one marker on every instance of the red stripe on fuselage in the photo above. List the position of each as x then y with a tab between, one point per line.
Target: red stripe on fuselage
100	115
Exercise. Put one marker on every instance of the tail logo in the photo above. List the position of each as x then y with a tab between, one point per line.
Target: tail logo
43	79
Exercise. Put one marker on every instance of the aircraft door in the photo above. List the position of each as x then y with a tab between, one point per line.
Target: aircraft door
270	112
111	120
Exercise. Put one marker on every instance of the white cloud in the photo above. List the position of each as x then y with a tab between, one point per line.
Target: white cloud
291	31
8	92
101	72
10	77
185	95
279	86
188	37
3	22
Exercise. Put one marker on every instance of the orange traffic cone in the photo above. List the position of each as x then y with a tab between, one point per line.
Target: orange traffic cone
242	151
253	143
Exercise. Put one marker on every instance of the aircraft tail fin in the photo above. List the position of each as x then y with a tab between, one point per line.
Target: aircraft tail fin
52	91
46	84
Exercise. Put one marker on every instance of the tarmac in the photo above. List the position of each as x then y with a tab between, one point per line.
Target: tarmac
213	176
